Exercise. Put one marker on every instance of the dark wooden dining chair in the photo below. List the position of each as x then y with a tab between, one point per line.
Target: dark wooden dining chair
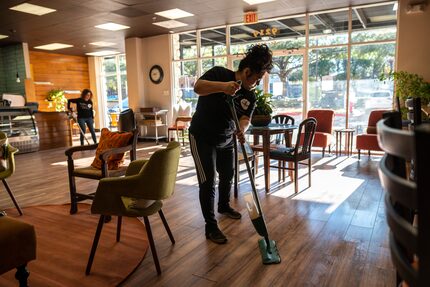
279	138
300	152
405	198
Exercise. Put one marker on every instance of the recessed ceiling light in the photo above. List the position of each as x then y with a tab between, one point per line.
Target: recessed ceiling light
327	31
32	9
53	46
102	53
255	2
174	14
3	36
112	26
170	24
103	44
382	18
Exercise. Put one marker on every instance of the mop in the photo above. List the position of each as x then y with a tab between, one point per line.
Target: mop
72	116
268	249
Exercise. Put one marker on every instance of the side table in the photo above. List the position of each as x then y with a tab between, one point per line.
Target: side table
349	136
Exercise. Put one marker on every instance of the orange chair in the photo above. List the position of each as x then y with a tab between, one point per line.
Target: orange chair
369	140
323	134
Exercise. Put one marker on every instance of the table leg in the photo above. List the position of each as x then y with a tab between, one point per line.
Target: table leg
337	143
340	143
352	141
347	144
266	153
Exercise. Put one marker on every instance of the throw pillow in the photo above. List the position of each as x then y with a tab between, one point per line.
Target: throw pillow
110	140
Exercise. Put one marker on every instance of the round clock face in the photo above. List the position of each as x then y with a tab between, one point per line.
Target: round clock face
156	74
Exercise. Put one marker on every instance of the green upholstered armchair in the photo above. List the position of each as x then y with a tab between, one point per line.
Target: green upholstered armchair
8	171
138	194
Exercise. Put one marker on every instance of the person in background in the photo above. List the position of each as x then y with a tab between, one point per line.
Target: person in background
84	106
212	129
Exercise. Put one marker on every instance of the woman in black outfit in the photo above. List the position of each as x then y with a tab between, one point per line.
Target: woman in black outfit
84	106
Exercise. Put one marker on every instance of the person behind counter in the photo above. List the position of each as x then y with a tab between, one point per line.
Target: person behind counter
84	107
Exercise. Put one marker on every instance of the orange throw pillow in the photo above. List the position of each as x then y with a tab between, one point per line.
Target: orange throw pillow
110	140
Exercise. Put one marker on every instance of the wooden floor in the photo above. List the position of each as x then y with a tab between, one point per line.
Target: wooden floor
332	234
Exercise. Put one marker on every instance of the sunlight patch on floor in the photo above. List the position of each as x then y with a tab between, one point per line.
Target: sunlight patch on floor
323	190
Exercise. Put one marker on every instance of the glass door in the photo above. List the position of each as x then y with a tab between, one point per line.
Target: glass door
286	85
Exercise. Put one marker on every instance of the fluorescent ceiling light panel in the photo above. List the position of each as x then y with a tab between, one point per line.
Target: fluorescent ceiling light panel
174	14
255	2
170	24
240	36
112	26
383	18
102	53
53	46
3	36
103	44
396	6
32	9
303	27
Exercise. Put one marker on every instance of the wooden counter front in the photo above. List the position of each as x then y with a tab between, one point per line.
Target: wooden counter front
54	130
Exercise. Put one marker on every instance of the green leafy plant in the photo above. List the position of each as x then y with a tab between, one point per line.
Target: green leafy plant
263	104
409	85
57	99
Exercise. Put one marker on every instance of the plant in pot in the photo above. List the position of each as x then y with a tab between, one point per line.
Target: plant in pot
408	87
57	100
262	115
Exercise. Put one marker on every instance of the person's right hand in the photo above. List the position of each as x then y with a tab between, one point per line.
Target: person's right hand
230	88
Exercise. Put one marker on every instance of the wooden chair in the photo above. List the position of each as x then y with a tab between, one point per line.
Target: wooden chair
139	194
409	242
9	170
180	126
279	139
300	152
93	173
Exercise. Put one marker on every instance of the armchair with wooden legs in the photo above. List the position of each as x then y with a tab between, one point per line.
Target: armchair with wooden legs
139	194
300	152
126	124
323	133
9	169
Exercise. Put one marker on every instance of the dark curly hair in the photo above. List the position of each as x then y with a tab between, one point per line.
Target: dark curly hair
258	58
85	92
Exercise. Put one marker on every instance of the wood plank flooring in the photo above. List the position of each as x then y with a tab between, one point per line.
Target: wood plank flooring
332	234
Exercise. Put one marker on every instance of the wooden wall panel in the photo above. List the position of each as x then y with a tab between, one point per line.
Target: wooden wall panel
63	71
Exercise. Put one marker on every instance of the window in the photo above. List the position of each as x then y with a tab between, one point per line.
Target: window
114	85
318	45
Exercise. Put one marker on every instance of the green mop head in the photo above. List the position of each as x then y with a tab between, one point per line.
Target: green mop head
269	255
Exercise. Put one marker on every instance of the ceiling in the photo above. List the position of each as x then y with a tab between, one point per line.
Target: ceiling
73	22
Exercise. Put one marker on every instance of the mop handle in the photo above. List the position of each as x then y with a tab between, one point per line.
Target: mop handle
245	154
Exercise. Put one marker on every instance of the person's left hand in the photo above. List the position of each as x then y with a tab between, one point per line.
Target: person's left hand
240	137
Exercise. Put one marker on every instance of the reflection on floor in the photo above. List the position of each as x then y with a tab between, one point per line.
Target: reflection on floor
332	234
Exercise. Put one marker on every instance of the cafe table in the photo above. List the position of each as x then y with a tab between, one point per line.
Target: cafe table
265	132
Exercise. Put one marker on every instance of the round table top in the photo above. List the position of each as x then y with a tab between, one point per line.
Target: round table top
345	130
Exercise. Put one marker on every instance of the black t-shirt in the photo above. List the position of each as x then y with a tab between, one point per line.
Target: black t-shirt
213	119
85	108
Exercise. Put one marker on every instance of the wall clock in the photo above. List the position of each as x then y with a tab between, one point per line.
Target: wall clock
156	74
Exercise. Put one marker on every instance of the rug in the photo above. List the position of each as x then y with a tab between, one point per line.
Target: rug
63	246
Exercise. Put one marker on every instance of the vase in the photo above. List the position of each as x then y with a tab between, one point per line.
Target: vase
261	120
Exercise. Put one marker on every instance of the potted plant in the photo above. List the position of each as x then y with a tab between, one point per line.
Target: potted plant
57	99
262	115
410	86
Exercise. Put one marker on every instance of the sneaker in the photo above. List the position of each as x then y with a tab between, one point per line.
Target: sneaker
216	236
230	212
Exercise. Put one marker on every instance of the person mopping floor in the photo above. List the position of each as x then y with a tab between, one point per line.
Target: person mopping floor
212	129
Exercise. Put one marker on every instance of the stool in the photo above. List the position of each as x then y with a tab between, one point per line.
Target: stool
17	247
349	136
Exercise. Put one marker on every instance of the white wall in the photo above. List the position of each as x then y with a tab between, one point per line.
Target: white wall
141	55
413	41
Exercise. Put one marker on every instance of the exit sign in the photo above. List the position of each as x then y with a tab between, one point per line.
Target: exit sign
250	17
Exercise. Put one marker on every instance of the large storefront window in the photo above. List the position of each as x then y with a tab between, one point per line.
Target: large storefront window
316	58
327	81
114	84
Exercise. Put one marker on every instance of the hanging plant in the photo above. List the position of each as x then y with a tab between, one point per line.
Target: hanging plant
57	100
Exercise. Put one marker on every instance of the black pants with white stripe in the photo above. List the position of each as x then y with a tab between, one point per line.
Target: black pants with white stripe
209	158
